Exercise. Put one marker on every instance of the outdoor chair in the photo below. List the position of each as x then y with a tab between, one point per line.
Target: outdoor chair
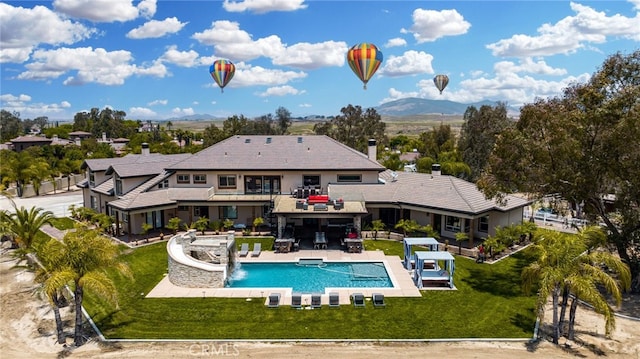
334	299
316	301
378	300
257	248
244	250
358	300
274	300
296	301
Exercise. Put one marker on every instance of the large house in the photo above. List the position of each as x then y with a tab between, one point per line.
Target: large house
305	183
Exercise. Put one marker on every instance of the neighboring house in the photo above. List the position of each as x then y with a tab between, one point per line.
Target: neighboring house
244	177
21	143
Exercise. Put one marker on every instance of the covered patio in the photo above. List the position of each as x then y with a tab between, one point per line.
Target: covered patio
430	243
434	269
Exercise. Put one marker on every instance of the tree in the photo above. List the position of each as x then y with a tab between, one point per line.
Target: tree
146	227
354	128
24	224
479	133
407	226
377	226
174	224
461	237
439	147
283	121
10	125
39	170
583	147
212	135
202	224
81	259
257	222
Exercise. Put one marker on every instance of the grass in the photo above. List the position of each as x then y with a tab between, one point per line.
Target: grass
488	304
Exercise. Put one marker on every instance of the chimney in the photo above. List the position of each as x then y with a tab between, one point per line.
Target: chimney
78	141
104	137
435	169
145	148
372	150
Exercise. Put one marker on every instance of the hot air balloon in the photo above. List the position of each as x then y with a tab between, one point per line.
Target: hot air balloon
364	59
222	72
441	82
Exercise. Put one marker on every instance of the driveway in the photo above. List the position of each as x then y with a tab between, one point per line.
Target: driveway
57	203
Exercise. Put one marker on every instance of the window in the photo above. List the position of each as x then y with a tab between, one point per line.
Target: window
230	212
483	224
164	184
118	188
227	181
349	178
92	179
199	178
183	208
184	179
125	217
310	180
453	224
94	203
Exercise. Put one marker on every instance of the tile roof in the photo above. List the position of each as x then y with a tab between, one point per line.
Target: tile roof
278	153
447	193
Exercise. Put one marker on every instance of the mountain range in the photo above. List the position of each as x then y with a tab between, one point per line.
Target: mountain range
403	107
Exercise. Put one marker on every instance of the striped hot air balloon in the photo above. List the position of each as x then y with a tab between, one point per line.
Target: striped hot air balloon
441	82
222	72
364	60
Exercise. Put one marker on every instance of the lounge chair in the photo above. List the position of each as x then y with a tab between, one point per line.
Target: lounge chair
378	300
244	250
274	300
316	301
334	299
358	299
296	301
257	248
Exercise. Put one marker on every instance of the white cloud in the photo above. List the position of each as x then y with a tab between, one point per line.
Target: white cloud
105	10
263	6
396	42
156	29
158	102
569	34
312	56
180	58
22	30
23	105
183	111
232	43
141	112
527	65
247	75
410	63
430	25
91	65
280	91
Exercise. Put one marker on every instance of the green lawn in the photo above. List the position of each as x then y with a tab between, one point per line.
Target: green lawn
488	304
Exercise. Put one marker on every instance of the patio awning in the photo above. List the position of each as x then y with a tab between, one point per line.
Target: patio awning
440	273
429	242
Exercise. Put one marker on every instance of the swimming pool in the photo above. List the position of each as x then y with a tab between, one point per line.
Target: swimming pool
311	276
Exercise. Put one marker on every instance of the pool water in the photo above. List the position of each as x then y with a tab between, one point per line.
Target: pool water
310	277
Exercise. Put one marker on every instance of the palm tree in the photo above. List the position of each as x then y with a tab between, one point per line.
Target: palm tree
407	226
24	224
81	260
587	275
461	237
376	226
51	285
548	272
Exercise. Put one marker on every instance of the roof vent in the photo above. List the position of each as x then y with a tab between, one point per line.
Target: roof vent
247	140
394	176
268	140
299	139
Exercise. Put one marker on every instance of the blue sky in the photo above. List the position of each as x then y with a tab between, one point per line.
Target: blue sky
150	58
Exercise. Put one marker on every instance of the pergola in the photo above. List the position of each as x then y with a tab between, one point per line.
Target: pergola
437	274
429	242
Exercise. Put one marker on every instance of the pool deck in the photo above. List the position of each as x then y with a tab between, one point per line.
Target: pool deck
400	277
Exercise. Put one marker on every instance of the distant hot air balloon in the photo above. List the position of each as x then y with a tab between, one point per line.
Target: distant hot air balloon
441	82
222	72
364	59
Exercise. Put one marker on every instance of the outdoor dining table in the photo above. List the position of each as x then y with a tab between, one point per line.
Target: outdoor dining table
283	245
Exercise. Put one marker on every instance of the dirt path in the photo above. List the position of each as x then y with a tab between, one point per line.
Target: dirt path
27	331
